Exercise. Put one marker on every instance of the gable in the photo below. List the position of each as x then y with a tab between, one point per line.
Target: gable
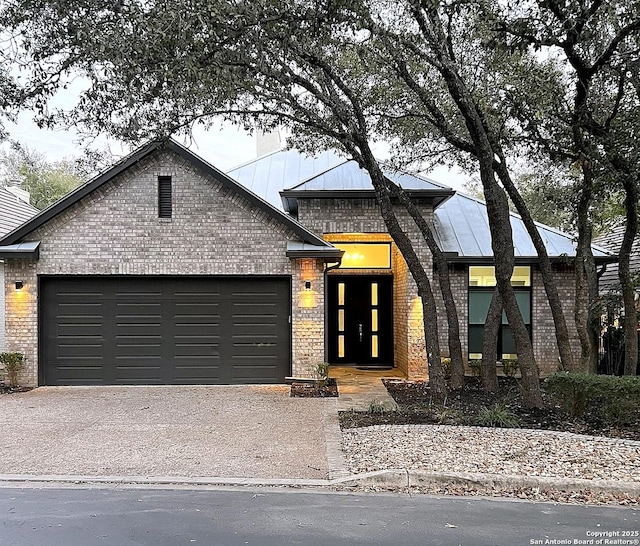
116	229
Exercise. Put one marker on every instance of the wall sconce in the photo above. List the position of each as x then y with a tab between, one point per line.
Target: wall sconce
307	285
19	285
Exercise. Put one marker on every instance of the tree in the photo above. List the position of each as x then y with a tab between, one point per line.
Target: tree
46	182
592	125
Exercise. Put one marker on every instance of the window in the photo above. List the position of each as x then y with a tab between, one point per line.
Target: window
164	197
365	255
482	282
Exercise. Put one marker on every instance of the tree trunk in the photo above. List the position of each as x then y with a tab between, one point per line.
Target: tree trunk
626	282
437	381
586	280
442	270
492	325
563	340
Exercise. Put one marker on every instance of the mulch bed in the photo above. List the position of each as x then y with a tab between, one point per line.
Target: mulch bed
11	390
300	389
462	407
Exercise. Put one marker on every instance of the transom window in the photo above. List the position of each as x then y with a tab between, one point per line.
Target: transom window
365	255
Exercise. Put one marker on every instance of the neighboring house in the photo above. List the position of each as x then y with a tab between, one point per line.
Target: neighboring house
14	210
612	241
165	270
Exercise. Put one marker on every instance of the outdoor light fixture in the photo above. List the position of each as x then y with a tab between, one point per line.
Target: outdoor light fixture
307	285
19	285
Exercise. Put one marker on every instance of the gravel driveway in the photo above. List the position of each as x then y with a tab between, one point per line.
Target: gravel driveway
221	431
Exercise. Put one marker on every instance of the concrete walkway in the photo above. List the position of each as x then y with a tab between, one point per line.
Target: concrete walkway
360	390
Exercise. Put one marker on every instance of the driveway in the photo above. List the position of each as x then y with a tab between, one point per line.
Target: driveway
221	431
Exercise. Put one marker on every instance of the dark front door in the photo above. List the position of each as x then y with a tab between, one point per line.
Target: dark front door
360	323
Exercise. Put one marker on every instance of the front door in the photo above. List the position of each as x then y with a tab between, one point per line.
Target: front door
360	323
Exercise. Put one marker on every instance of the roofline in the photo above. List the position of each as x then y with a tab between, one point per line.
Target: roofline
457	259
331	253
135	157
29	250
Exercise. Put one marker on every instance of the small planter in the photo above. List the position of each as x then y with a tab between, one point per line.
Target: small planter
311	389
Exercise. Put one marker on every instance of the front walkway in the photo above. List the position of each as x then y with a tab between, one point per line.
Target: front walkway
361	390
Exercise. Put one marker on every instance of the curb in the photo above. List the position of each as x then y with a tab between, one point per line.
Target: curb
394	479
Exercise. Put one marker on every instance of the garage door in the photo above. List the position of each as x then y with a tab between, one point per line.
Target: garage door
164	331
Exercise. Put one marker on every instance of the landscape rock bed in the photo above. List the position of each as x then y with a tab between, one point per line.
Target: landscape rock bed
442	448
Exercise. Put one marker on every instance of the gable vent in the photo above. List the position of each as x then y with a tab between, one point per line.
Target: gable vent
164	197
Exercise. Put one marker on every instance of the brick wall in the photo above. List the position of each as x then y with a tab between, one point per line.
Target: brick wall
116	231
333	218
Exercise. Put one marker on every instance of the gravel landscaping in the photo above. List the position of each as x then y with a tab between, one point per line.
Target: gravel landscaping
442	448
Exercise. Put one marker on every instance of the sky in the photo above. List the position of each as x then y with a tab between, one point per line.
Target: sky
223	145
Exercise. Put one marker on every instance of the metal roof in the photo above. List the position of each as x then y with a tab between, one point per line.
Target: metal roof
13	211
460	221
462	226
268	175
30	249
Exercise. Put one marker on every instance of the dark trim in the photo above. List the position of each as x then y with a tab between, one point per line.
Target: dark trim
21	250
139	155
290	197
524	260
331	253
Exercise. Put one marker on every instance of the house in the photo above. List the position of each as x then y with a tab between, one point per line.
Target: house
14	210
612	241
164	270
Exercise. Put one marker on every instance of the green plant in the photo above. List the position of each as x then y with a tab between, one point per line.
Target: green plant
497	416
376	408
322	374
13	363
446	367
510	366
476	366
615	400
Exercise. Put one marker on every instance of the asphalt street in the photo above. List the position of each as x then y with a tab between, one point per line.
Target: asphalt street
77	516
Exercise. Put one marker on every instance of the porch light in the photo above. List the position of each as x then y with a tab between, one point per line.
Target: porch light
307	285
19	285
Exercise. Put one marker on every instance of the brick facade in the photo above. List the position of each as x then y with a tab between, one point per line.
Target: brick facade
116	231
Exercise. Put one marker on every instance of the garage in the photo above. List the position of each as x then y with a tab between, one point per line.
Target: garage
143	330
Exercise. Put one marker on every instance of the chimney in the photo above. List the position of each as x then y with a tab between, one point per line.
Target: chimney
267	142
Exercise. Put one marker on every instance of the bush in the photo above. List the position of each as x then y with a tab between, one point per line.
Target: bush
476	366
446	367
497	416
510	366
322	374
12	363
615	400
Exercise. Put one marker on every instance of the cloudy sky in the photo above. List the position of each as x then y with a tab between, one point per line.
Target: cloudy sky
224	145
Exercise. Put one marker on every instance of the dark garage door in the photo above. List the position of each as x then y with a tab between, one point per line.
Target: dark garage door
164	330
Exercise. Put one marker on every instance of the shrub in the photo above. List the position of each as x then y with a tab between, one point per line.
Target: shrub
497	416
446	367
476	366
615	400
322	374
510	366
12	363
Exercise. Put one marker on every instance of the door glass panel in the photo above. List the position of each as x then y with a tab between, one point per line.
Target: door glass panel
340	293
341	346
374	293
340	320
374	320
374	346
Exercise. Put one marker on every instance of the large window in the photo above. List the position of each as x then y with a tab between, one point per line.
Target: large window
482	282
